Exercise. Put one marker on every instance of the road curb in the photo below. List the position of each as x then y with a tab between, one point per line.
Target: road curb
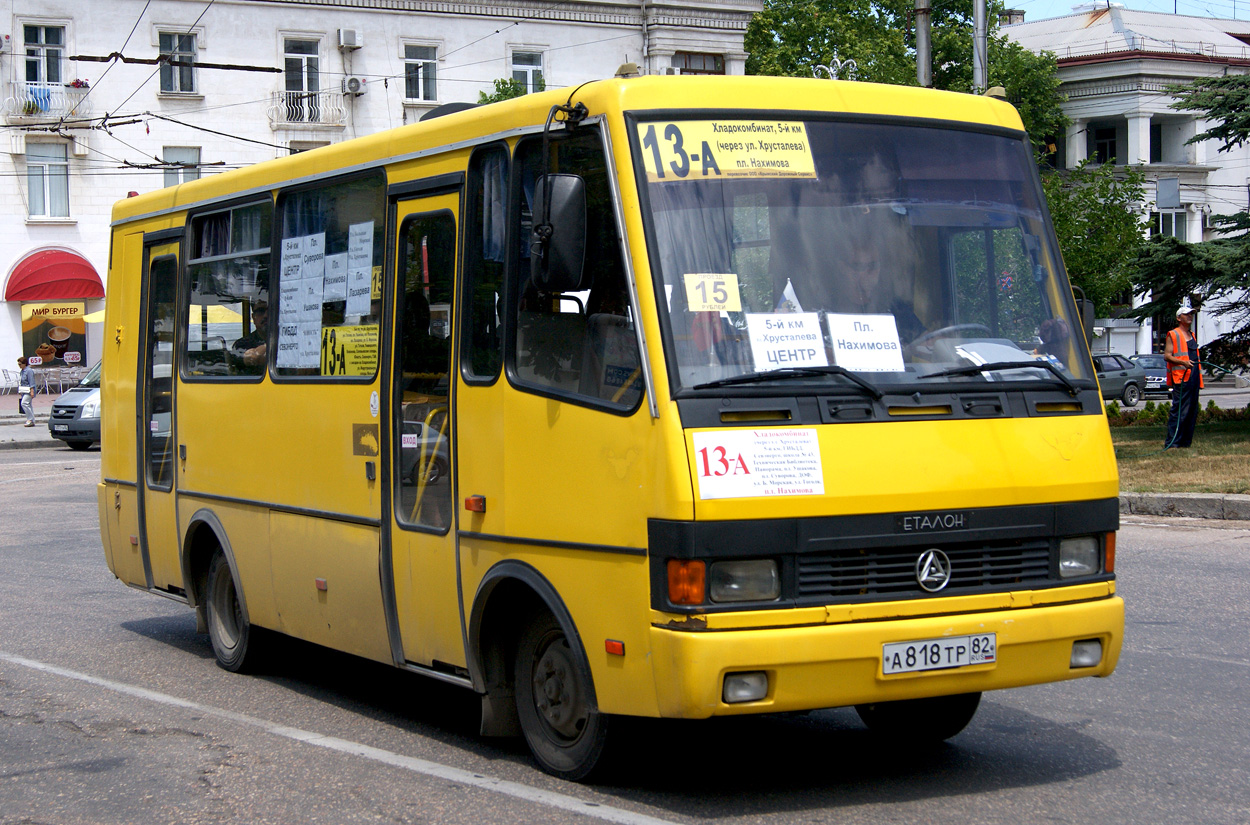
1189	505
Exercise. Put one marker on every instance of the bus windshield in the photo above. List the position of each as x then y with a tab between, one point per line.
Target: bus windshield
906	255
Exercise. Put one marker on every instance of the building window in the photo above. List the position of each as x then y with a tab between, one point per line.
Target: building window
184	162
303	80
45	46
419	72
47	174
1156	143
698	63
177	77
297	146
1169	223
1105	149
527	69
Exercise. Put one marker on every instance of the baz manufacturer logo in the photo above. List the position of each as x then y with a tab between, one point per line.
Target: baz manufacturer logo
920	522
933	570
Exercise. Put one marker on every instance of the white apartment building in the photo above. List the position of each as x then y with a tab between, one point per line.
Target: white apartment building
1114	64
106	97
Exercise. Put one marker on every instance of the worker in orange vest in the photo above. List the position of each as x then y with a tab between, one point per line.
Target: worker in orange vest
1184	377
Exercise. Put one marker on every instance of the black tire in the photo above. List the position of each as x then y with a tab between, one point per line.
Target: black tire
1132	394
235	642
78	445
556	703
921	720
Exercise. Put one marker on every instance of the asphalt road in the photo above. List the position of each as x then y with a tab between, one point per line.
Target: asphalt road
113	711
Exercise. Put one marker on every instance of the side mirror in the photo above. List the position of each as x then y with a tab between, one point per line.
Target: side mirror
558	244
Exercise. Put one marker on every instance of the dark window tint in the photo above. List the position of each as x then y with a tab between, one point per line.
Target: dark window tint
227	317
582	342
484	241
422	371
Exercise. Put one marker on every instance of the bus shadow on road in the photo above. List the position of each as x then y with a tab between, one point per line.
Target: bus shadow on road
721	767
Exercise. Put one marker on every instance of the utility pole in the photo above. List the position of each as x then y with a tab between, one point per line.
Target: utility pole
924	45
980	34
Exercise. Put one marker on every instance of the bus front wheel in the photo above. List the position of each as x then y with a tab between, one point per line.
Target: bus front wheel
922	720
555	702
235	641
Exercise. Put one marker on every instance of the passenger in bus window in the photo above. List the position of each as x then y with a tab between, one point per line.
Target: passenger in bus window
252	348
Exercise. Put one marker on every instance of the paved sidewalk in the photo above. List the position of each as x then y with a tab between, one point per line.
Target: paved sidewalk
13	435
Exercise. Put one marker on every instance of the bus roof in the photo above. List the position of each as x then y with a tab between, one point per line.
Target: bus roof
735	94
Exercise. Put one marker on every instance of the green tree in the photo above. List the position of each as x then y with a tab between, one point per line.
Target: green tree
1096	214
792	37
505	89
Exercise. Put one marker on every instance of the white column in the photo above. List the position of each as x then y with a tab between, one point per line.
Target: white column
1138	139
1199	149
1076	143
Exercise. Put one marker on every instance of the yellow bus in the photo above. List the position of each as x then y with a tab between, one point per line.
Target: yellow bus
661	397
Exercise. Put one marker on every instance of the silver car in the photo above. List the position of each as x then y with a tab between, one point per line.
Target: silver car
75	417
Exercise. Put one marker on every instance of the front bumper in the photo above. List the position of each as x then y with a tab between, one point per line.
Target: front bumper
825	666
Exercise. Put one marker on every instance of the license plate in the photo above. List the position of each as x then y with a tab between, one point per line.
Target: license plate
61	428
939	654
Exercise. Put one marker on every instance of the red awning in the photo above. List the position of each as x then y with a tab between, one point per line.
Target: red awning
53	275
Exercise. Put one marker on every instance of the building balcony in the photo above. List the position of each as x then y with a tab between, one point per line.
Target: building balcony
307	110
43	102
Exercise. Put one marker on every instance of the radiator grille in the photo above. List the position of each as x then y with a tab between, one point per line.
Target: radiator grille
891	572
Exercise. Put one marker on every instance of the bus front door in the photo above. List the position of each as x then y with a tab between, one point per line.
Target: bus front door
425	619
158	529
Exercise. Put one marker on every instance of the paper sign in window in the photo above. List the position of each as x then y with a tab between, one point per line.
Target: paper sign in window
865	343
359	268
786	339
689	150
712	292
336	277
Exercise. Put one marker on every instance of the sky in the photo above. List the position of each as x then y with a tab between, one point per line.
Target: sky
1042	9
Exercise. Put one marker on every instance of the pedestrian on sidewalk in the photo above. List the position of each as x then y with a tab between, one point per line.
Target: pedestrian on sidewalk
26	390
1184	377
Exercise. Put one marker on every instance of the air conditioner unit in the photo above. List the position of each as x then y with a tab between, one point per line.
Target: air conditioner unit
671	70
353	86
350	39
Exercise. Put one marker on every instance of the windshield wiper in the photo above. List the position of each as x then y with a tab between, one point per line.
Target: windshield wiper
793	372
995	366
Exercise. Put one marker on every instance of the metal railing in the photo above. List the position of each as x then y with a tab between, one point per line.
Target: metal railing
311	108
45	101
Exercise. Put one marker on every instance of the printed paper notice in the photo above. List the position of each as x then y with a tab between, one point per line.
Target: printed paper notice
336	277
758	463
865	343
712	292
359	268
711	149
291	272
786	339
349	350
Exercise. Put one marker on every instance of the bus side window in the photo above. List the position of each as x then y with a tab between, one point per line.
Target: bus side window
484	242
579	343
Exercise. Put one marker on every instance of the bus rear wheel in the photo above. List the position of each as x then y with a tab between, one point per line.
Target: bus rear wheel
921	720
235	641
555	702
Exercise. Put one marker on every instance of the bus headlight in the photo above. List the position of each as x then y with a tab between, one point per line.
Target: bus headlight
1078	557
744	581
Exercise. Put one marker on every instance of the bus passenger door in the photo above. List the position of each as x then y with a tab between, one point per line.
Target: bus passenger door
426	616
158	528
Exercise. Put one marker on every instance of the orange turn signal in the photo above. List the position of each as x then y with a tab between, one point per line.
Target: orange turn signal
1108	555
686	581
614	646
